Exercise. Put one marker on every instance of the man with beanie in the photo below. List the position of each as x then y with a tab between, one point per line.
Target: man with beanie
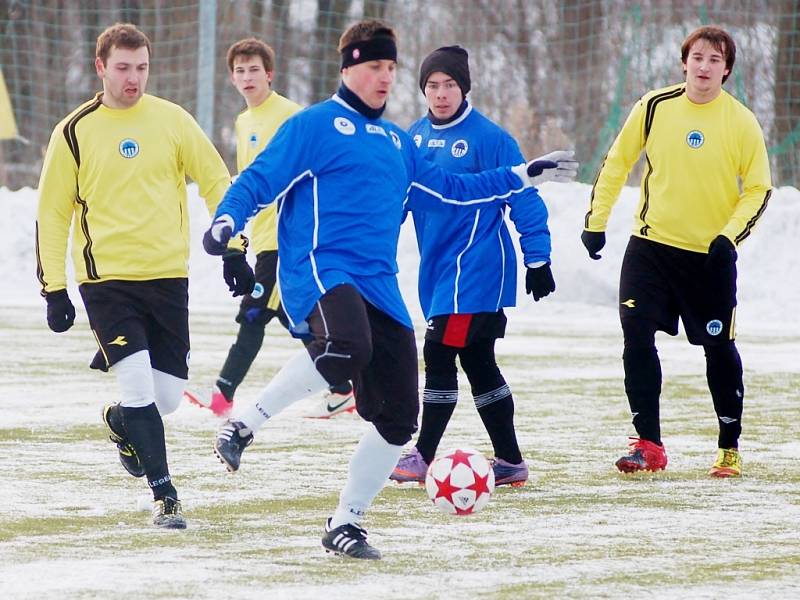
467	272
342	177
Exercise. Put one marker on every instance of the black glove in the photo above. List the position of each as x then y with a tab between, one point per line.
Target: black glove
237	273
215	240
539	282
60	311
721	254
594	242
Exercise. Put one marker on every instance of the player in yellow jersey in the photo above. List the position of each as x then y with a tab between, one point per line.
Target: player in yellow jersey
251	63
116	170
699	144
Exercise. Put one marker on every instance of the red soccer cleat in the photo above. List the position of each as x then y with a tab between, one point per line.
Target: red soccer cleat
644	455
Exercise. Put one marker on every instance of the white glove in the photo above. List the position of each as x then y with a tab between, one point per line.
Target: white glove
218	227
215	240
558	166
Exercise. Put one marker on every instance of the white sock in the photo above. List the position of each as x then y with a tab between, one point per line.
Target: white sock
135	378
370	467
169	391
297	379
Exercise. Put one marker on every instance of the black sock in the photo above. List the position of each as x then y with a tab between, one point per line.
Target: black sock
498	419
241	355
145	432
643	388
435	417
724	374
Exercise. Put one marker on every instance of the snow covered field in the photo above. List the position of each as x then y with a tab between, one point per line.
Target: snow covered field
72	525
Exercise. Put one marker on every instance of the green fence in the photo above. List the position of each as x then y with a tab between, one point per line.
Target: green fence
553	73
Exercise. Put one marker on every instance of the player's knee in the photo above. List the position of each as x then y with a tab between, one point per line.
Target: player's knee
341	359
440	363
723	354
135	380
638	333
168	391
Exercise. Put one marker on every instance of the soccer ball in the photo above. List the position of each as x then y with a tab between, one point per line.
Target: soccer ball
460	481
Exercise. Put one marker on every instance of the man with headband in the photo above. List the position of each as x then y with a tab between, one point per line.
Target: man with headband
342	177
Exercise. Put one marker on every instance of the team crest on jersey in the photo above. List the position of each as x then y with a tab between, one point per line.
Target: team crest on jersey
128	148
418	140
459	148
344	126
253	139
714	327
695	138
395	139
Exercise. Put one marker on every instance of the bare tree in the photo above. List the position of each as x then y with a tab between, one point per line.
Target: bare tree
331	18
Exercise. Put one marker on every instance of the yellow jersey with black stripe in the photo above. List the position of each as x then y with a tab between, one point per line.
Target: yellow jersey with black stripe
706	170
120	175
254	129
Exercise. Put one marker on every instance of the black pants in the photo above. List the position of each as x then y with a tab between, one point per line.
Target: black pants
660	284
351	339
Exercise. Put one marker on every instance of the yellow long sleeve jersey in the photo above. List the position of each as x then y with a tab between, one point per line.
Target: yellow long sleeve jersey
121	174
254	129
696	157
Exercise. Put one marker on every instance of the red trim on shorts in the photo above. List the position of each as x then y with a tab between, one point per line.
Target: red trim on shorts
456	330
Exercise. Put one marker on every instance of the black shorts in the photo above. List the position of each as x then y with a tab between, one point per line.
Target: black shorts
460	330
354	340
129	316
258	310
661	283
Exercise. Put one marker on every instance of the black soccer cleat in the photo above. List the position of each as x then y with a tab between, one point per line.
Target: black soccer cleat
230	442
127	455
349	540
167	514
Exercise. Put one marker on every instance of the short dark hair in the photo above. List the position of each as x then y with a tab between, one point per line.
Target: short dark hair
719	39
121	35
252	47
366	30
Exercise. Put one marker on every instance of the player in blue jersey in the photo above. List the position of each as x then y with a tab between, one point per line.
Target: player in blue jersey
342	177
468	271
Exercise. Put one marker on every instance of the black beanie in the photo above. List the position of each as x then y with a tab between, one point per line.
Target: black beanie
452	60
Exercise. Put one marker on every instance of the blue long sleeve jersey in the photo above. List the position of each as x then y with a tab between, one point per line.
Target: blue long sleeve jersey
467	259
342	182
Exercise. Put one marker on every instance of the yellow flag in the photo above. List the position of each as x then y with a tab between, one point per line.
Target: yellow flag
8	126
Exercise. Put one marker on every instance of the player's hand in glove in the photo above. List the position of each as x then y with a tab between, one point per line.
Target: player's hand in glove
594	242
215	240
558	166
60	311
237	273
721	254
539	281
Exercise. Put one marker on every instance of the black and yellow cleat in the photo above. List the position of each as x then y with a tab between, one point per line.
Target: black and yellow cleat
167	514
127	455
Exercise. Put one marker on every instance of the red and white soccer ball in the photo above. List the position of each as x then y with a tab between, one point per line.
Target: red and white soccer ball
460	481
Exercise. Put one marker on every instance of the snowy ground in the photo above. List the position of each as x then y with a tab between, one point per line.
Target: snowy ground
71	524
